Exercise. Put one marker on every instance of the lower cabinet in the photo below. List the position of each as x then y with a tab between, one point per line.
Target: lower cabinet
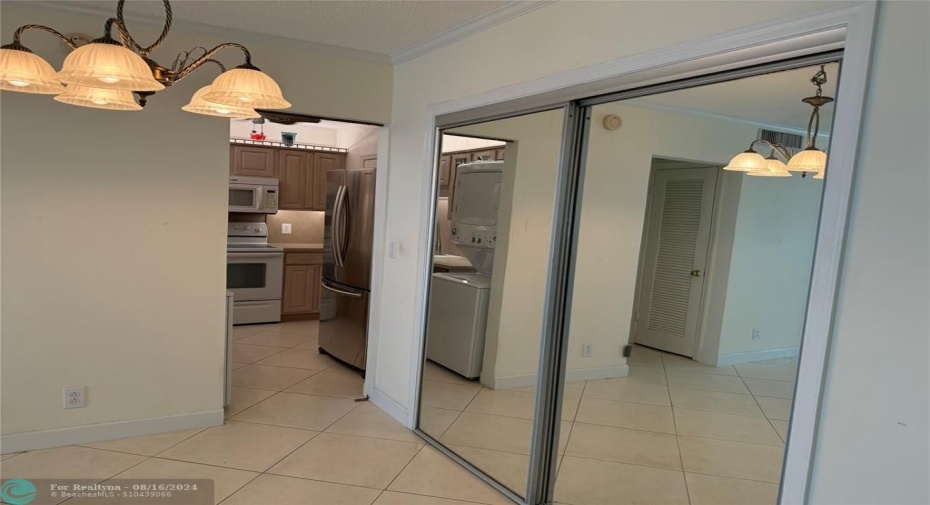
303	273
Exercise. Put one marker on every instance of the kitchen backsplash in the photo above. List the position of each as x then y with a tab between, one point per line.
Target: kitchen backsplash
306	227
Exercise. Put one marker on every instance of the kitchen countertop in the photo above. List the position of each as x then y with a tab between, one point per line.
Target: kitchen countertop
297	247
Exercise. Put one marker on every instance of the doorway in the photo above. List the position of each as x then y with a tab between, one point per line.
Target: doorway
676	244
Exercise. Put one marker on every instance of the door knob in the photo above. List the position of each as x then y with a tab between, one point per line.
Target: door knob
695	273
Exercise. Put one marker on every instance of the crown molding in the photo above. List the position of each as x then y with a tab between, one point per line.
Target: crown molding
723	117
504	13
241	36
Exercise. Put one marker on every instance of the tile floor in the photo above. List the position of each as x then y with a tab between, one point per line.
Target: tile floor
673	431
294	435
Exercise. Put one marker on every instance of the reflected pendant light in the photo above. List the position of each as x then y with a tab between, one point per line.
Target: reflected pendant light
773	168
198	105
21	70
98	98
747	161
812	159
246	86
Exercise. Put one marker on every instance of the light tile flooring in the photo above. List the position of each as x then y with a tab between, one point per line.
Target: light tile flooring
673	431
294	435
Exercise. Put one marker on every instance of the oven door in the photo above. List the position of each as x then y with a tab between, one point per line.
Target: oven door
245	198
255	275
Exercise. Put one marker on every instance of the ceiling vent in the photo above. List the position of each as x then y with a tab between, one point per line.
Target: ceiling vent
793	142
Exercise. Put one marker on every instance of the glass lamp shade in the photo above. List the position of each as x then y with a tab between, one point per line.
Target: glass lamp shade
773	168
108	66
25	72
244	87
808	160
747	161
198	105
98	98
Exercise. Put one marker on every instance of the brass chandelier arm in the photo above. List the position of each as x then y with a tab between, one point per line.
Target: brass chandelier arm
218	63
778	148
18	35
194	65
145	51
124	37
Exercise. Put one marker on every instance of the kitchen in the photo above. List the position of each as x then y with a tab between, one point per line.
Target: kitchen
299	232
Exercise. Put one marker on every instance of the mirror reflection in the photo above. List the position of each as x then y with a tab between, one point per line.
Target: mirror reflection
493	222
694	258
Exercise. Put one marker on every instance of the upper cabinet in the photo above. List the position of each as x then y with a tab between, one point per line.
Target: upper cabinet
445	174
323	163
295	174
252	161
301	172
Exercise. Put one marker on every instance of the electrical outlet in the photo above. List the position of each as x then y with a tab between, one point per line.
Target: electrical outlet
73	398
756	334
586	349
286	228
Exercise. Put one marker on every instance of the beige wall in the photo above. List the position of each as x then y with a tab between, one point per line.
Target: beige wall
113	255
872	445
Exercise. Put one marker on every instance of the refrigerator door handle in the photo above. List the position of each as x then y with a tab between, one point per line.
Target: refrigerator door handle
339	291
337	219
346	218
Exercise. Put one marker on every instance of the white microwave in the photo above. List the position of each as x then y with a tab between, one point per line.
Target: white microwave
253	194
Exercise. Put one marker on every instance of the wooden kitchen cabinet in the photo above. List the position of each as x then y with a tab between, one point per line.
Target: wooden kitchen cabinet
303	273
249	161
302	176
445	174
294	174
323	163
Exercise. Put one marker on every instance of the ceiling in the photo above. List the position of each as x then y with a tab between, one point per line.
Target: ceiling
768	99
378	26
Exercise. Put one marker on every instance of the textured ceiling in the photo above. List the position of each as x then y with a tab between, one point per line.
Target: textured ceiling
379	26
768	99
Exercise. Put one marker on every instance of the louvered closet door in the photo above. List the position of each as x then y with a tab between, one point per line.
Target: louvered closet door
675	256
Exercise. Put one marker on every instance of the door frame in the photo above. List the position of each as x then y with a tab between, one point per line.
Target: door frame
715	212
849	27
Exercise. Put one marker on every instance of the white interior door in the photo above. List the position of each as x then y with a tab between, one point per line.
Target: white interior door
677	238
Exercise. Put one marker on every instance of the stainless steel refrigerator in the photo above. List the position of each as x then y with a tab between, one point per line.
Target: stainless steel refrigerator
350	202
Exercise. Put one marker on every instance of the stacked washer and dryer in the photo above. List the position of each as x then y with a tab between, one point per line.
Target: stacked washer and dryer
458	303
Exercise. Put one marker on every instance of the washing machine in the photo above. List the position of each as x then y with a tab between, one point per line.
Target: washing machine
458	303
458	317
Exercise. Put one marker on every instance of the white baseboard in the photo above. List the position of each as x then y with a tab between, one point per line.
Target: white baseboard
577	374
44	439
392	408
745	357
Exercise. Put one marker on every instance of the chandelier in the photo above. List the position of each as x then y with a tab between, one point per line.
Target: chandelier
120	75
809	160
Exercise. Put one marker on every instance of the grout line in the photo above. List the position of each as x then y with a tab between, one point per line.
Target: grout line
681	458
400	472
